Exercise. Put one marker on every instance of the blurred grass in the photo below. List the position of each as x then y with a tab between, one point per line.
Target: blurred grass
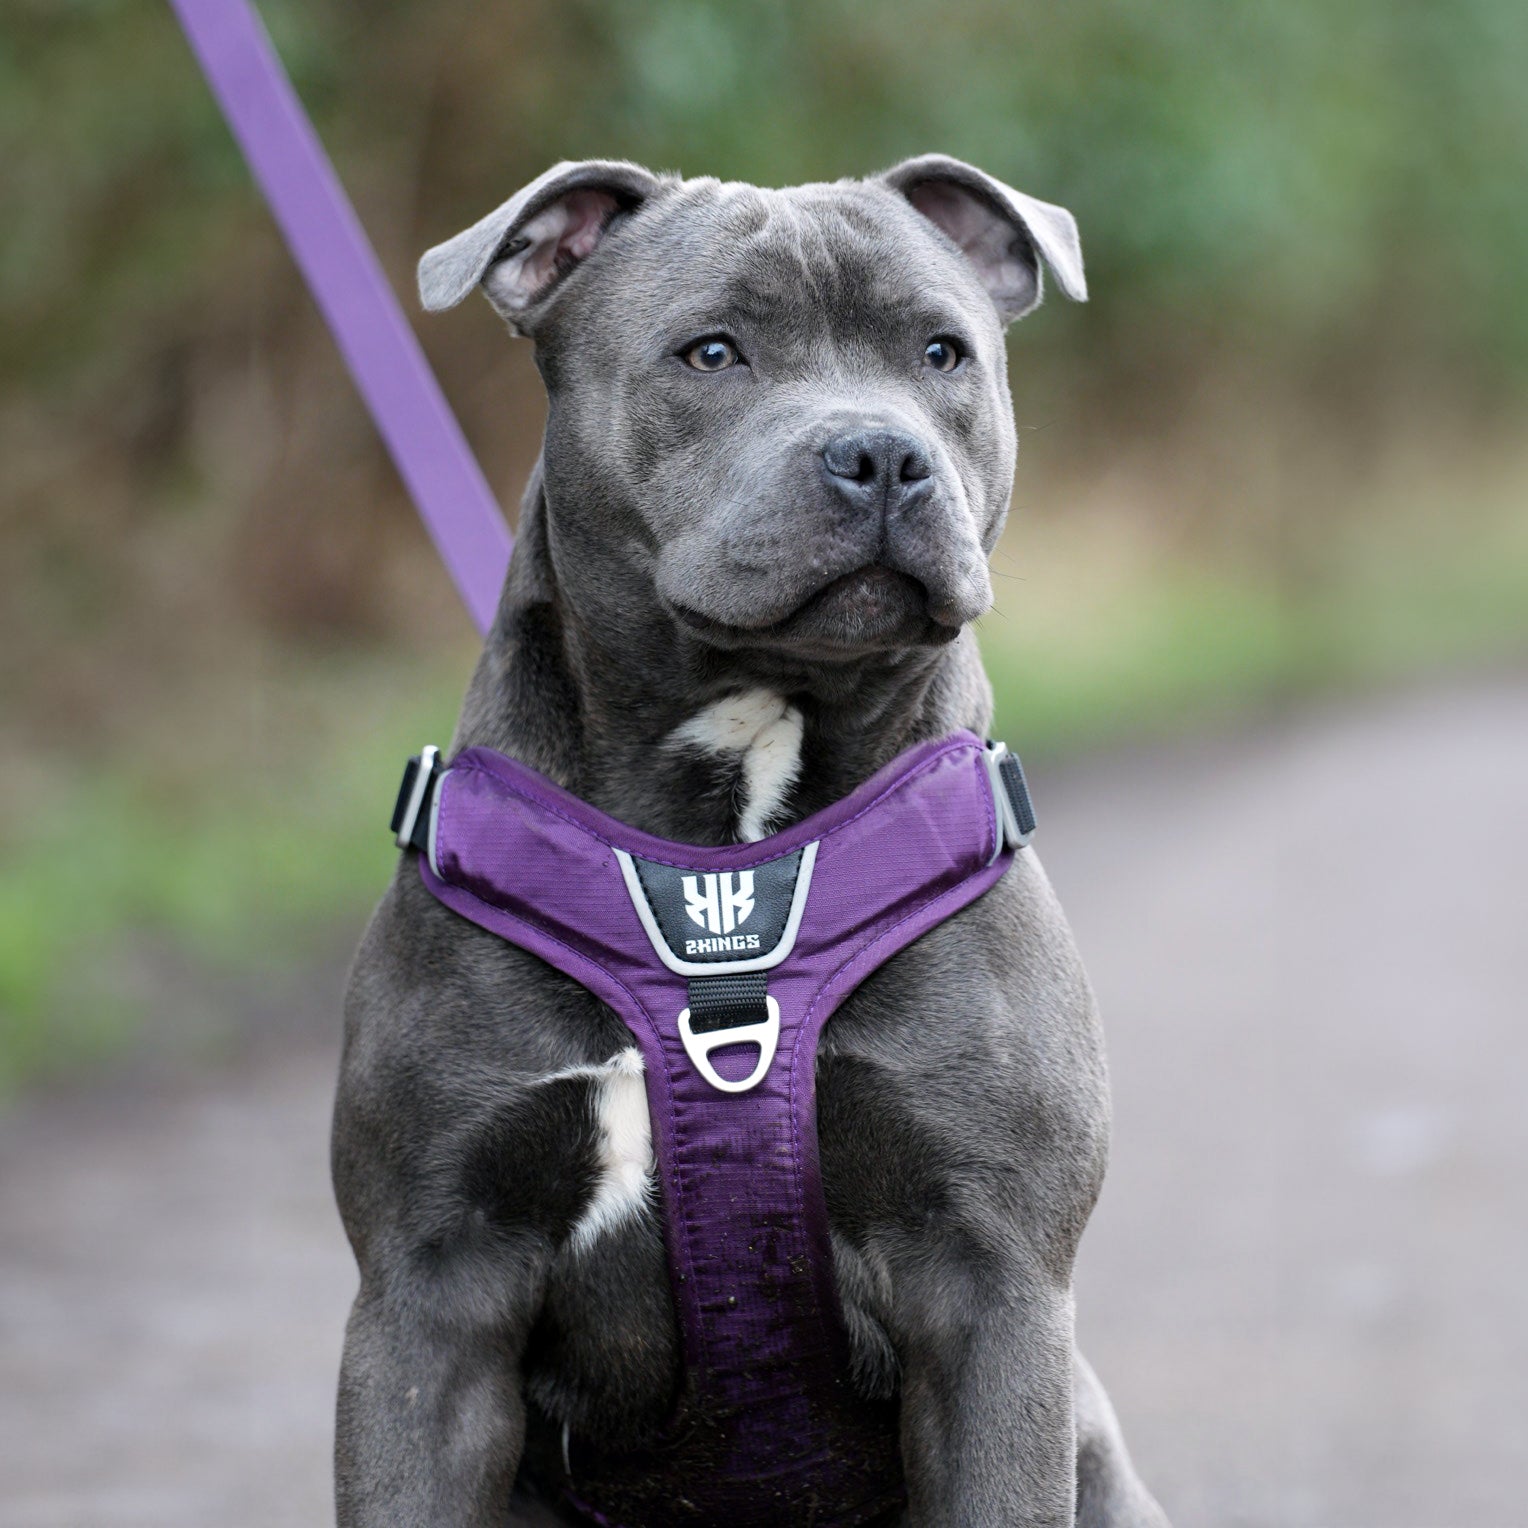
241	859
1105	637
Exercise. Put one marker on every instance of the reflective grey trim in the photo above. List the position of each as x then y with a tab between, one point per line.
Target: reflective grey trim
440	790
718	967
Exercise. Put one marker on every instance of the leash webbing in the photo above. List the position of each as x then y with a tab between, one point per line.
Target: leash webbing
341	270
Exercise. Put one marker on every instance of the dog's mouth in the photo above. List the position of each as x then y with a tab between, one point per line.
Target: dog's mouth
870	609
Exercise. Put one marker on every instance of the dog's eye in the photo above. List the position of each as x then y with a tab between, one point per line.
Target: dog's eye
943	354
714	354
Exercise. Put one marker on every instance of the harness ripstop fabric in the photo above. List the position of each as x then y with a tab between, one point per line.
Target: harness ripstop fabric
725	963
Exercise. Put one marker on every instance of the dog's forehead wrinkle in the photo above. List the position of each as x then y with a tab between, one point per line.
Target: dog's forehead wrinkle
799	267
786	258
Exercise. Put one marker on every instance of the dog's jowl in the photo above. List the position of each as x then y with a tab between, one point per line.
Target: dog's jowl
723	1099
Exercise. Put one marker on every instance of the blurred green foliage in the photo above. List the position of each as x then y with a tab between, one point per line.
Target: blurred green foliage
1296	175
242	864
1296	394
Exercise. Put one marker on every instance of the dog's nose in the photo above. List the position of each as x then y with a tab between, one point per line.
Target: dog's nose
874	468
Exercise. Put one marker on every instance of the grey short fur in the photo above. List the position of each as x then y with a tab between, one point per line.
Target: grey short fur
812	520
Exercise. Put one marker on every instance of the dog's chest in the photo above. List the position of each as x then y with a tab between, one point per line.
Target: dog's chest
913	1078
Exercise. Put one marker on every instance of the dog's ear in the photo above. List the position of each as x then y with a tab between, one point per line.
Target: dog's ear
522	250
1003	233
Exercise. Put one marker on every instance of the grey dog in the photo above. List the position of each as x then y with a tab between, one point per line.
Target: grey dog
780	448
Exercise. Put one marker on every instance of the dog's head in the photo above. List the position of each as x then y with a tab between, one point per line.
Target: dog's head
783	415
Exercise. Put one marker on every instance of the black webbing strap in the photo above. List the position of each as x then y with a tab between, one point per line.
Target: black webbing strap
724	1002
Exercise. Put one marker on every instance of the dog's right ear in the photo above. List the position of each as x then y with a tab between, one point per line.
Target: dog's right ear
1006	235
521	251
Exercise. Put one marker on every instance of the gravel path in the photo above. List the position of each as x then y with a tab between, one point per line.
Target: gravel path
1305	1285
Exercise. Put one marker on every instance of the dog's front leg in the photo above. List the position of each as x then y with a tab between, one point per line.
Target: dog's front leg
988	1437
431	1418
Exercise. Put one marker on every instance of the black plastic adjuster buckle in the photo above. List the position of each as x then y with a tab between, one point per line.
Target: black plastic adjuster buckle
1010	795
411	813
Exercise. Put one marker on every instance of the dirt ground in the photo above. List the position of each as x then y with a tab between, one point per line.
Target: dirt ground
1305	1284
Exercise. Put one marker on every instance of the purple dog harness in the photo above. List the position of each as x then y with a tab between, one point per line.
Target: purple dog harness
725	964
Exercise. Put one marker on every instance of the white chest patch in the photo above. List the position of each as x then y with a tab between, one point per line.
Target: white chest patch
766	731
625	1148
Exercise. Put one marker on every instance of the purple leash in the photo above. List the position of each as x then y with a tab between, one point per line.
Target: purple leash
326	239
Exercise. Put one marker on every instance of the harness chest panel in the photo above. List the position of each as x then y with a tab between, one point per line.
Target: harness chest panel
725	964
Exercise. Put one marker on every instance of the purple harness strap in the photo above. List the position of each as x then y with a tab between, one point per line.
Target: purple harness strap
769	1430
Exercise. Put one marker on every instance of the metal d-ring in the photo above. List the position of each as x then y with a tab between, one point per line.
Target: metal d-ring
765	1035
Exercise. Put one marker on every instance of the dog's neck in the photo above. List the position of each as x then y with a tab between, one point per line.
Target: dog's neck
664	732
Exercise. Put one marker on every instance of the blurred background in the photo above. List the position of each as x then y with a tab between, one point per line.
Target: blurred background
1261	629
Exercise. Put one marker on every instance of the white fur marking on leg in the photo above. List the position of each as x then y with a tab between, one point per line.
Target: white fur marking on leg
766	730
625	1149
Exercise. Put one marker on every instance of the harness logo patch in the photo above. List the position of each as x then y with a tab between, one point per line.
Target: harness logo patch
718	917
719	902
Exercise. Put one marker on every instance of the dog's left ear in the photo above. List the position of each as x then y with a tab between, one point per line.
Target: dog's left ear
1003	233
521	251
